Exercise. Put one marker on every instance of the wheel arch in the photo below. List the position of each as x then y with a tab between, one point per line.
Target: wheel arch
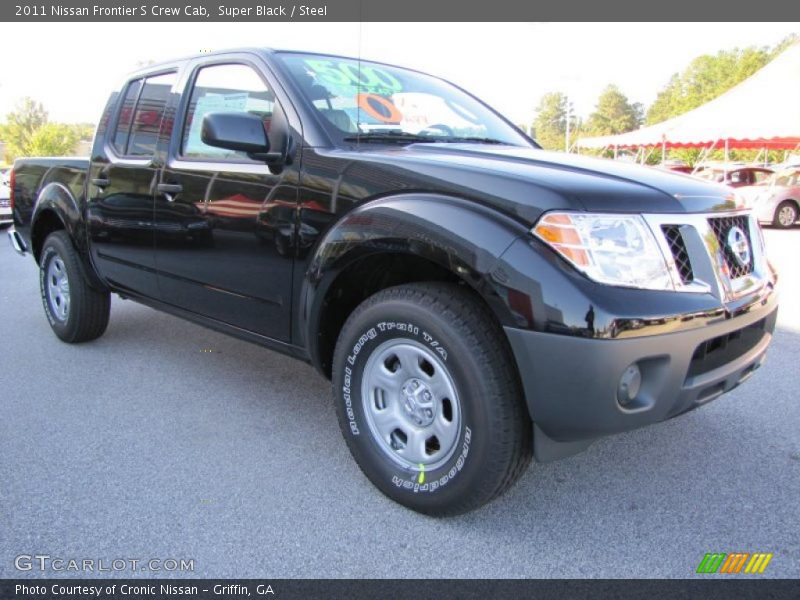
57	209
393	241
794	201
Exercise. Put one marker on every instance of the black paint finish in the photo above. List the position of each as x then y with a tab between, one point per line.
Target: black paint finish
262	251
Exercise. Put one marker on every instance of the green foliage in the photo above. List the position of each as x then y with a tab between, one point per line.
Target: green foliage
20	125
785	43
27	132
614	113
705	78
708	77
85	131
52	139
550	125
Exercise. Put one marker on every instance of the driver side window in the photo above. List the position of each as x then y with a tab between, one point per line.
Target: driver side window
224	88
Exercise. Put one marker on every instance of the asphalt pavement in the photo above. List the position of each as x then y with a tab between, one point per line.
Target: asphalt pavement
164	440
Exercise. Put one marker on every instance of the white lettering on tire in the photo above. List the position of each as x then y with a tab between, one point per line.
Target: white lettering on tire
432	486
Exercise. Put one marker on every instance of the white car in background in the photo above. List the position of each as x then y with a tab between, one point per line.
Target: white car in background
5	198
777	200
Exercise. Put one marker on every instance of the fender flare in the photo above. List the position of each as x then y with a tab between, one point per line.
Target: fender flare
57	199
462	236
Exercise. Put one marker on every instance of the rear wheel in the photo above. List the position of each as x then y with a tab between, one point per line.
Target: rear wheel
785	215
76	311
428	399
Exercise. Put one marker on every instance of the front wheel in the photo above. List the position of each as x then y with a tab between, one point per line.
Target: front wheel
428	400
785	215
76	311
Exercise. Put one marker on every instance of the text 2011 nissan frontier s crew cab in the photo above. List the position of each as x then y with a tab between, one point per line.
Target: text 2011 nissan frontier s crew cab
474	299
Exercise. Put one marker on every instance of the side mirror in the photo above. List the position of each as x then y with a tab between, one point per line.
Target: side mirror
245	132
238	131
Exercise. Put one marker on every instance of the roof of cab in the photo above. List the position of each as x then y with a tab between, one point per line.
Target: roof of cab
243	50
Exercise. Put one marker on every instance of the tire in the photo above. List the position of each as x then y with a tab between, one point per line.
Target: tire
785	215
76	311
439	336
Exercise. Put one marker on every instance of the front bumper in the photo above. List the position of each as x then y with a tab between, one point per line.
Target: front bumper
571	383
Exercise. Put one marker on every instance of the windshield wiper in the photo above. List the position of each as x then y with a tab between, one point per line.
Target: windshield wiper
412	138
476	140
395	136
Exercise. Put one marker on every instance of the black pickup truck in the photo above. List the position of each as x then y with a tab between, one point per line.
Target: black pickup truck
474	299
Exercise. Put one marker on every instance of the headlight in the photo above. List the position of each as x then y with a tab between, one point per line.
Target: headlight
608	248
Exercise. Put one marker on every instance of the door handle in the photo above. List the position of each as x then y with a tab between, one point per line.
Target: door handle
169	190
100	182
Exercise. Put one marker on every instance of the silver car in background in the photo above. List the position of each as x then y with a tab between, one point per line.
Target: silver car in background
776	201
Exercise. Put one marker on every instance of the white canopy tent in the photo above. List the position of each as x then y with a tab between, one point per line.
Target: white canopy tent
763	111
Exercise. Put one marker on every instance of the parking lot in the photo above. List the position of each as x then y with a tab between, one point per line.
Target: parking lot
166	440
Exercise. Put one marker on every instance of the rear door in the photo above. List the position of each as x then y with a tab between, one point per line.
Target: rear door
120	194
230	257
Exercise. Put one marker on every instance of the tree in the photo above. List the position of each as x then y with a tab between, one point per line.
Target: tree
20	126
52	139
704	79
85	131
27	132
550	125
614	114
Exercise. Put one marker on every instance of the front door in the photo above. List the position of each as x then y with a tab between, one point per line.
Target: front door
224	222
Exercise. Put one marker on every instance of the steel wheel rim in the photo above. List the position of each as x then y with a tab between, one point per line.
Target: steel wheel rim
57	288
786	216
411	404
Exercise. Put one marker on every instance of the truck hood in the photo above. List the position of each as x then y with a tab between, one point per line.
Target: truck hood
529	181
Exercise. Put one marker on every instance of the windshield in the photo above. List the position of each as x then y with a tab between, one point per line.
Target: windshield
369	100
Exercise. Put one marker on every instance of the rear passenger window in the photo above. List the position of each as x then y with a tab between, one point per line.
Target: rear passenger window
141	114
126	117
224	88
149	114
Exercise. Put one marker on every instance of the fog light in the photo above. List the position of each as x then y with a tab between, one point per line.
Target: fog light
629	385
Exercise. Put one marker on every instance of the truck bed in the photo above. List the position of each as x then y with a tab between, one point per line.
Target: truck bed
32	174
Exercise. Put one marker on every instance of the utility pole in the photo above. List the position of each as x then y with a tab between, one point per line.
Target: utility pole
566	149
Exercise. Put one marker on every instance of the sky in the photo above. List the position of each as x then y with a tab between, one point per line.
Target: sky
71	68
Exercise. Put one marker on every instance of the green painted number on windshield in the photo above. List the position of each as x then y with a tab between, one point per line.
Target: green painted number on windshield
347	73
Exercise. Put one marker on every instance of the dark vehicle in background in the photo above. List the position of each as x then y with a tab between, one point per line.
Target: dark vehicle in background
474	299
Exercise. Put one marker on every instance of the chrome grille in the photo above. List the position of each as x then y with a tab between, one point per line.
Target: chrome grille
695	246
721	226
677	246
